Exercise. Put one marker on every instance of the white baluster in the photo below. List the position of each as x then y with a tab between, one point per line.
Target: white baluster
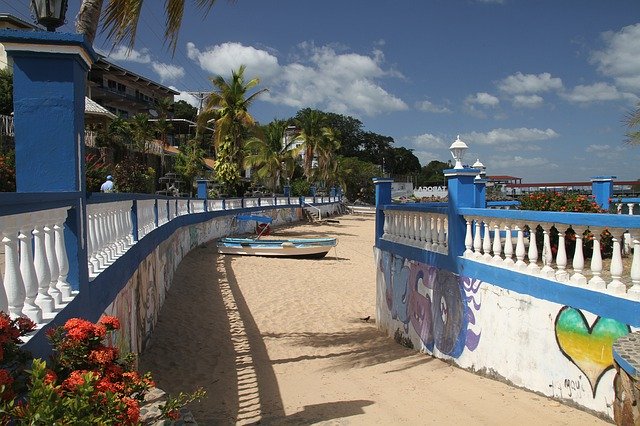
13	284
578	259
52	260
532	253
634	291
561	259
386	225
486	243
61	255
28	271
423	229
477	241
468	241
596	263
520	250
442	236
630	206
434	233
508	248
43	299
412	228
547	256
616	286
497	246
427	233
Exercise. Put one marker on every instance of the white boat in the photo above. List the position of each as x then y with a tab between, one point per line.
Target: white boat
299	247
291	247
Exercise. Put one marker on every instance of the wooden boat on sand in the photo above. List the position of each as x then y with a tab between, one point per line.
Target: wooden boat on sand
313	248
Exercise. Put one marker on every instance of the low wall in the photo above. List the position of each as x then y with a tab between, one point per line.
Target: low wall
139	302
518	332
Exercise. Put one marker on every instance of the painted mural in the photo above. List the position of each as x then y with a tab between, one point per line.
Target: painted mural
588	346
436	305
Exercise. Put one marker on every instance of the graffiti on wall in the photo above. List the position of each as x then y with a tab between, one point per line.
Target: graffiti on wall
438	305
588	347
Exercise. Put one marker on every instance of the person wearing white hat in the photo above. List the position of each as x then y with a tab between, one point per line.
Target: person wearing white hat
107	186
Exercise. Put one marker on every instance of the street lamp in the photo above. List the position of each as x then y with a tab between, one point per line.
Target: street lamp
458	148
481	167
49	13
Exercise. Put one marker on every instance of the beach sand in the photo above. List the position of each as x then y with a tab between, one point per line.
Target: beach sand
282	341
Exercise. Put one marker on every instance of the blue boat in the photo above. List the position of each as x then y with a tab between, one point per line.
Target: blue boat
314	248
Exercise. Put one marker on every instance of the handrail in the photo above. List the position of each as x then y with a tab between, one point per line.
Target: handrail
313	207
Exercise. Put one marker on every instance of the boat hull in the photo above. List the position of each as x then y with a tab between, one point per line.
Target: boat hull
299	248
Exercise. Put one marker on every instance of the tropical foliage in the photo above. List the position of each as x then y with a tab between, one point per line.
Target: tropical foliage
6	91
633	124
190	162
273	159
228	105
85	382
7	172
559	202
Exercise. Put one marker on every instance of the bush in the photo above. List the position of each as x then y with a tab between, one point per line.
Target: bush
300	187
96	172
131	176
86	382
559	202
8	172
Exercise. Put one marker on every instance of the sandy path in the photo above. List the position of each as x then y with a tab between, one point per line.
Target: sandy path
280	341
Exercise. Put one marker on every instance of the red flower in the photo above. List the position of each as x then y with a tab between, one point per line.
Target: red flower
104	355
74	380
50	377
5	377
110	322
79	329
133	410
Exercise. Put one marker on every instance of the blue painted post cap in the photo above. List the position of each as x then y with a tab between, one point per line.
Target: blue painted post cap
19	40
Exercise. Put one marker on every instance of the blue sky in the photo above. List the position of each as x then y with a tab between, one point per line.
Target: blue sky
537	89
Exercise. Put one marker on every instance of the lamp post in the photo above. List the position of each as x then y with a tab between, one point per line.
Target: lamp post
458	149
49	13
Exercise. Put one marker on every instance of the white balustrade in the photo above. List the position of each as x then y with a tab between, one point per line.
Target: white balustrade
556	266
110	234
35	264
163	212
425	230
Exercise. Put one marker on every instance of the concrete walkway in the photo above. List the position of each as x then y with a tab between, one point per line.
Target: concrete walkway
282	341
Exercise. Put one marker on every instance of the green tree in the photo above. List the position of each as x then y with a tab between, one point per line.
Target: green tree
433	173
190	162
326	149
6	91
633	124
185	111
272	158
356	178
402	161
228	105
312	125
142	132
121	17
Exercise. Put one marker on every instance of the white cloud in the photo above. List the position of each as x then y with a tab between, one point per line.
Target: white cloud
501	136
509	164
224	58
483	99
122	53
527	101
596	92
185	96
345	83
427	140
598	148
429	106
519	83
620	59
167	72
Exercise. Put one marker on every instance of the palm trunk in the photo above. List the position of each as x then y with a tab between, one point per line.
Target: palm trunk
88	19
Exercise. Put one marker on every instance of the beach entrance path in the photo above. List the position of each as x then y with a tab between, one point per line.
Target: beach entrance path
284	341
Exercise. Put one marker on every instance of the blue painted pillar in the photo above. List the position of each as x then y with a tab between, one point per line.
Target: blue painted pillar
202	188
462	193
287	190
312	189
480	185
383	196
602	190
49	80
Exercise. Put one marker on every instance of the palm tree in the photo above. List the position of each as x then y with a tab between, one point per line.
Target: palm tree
142	132
271	157
633	122
326	149
312	125
229	106
121	19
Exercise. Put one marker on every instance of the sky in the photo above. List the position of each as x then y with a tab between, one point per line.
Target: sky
538	89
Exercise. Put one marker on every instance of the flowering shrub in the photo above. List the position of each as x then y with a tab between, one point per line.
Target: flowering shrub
7	172
559	202
86	382
96	172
